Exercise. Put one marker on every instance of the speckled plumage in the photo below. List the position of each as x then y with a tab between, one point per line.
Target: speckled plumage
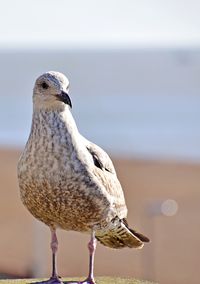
65	180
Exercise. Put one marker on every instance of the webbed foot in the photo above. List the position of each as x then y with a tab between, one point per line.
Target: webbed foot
52	280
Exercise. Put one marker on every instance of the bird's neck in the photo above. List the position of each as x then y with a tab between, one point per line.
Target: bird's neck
54	122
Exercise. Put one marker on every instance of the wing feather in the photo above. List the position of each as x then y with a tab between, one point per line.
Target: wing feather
105	172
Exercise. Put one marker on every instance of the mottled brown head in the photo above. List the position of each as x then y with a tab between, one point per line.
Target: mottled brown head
51	91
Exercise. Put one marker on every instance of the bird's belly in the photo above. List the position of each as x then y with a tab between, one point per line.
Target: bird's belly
70	207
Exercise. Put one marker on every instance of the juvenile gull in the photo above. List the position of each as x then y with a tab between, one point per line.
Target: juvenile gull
67	181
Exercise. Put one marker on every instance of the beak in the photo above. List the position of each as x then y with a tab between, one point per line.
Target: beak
64	97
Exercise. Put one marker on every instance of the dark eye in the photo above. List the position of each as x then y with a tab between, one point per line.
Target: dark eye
45	85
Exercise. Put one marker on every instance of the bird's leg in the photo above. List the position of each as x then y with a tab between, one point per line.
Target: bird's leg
92	247
54	249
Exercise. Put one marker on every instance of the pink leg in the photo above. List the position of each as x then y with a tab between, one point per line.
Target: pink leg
54	247
92	247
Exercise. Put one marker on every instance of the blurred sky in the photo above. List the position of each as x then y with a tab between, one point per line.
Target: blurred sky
68	23
158	77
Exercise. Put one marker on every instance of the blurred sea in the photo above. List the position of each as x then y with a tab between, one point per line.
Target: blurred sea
142	104
145	126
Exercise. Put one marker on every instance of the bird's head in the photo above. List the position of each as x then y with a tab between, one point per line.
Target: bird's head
51	91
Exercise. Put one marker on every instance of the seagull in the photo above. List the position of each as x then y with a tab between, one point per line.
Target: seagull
68	182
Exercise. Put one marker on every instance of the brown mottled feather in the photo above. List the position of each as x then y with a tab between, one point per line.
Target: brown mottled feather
67	181
120	235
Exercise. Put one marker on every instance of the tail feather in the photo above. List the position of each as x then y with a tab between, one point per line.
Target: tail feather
119	236
139	235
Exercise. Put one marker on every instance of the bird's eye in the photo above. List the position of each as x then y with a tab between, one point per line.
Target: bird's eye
45	85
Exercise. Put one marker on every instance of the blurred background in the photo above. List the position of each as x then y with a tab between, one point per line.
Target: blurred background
134	71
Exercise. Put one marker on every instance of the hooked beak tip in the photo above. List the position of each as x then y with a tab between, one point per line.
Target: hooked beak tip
64	97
